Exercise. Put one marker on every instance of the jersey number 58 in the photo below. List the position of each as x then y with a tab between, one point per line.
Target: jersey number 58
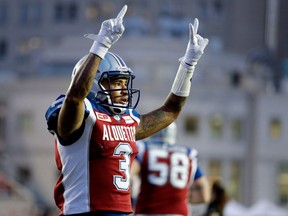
176	173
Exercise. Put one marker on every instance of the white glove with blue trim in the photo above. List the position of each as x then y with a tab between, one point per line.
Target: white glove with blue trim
111	30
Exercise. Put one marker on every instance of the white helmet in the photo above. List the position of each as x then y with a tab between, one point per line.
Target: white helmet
166	135
111	66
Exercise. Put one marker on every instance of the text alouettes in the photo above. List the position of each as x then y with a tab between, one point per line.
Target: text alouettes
116	132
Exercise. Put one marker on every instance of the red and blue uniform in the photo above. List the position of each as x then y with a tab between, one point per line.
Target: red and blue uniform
94	170
167	172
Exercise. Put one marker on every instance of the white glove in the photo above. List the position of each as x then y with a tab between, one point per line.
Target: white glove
196	45
195	49
111	30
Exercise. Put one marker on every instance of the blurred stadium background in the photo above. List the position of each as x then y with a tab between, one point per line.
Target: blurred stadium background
236	115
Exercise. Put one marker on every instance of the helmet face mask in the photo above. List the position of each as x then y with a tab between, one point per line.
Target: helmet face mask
105	97
112	68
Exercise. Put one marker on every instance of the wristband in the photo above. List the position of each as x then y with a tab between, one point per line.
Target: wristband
182	82
99	49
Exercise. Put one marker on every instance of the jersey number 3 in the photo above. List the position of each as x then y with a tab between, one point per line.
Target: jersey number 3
177	173
124	165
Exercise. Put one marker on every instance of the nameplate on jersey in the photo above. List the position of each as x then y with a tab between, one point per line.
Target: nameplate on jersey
103	117
128	119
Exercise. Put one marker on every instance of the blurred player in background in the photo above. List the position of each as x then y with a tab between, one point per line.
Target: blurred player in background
95	124
218	200
170	175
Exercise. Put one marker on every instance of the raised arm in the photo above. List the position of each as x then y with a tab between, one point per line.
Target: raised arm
72	112
169	111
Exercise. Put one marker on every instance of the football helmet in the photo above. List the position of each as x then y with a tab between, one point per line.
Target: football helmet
166	135
111	66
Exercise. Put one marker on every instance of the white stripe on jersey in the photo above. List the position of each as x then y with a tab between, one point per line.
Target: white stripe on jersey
78	166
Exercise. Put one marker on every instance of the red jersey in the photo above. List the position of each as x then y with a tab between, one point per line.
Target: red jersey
94	171
167	172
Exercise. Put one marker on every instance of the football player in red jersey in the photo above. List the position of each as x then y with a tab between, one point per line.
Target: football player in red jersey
95	124
170	176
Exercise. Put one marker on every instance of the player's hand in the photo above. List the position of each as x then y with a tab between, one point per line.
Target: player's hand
196	45
111	30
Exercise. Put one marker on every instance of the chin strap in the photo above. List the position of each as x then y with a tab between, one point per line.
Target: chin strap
117	110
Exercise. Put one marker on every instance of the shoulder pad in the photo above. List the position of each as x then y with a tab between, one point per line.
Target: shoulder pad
193	153
52	112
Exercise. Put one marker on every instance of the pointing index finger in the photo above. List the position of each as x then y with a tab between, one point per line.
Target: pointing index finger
196	24
122	12
192	34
